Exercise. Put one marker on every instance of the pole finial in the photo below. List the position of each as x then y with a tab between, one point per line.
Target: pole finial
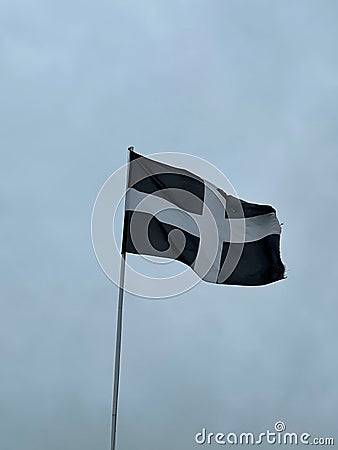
131	148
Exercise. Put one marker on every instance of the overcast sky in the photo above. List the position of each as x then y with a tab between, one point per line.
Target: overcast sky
251	86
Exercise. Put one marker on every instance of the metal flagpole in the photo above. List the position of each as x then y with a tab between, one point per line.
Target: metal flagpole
119	331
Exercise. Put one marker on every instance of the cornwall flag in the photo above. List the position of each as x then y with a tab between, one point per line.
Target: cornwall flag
173	213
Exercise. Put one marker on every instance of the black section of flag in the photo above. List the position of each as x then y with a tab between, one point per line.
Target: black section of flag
240	208
149	176
147	229
259	263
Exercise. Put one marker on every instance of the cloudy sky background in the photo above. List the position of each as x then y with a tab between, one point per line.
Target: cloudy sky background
251	86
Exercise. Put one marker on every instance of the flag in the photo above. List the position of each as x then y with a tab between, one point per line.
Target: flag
173	213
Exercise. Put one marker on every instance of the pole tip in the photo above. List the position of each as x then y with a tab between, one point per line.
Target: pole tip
131	148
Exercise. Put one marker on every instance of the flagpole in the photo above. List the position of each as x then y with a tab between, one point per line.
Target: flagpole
119	329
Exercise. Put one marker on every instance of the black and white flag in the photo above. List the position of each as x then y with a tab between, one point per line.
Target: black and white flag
173	213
